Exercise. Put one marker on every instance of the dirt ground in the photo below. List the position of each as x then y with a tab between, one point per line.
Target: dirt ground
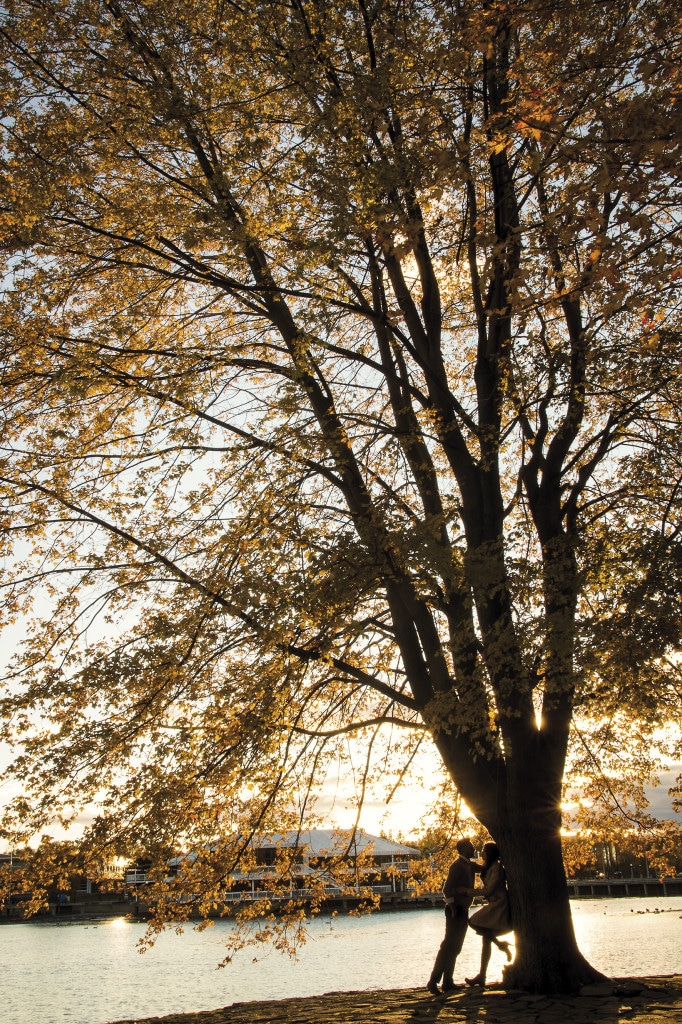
639	1000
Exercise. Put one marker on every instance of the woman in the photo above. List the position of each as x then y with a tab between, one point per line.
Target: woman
493	919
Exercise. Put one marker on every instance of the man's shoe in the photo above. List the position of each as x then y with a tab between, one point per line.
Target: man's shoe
451	987
433	988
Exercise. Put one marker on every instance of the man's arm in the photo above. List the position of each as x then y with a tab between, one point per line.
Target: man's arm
458	882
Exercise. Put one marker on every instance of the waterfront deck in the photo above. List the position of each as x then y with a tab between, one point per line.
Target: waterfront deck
614	887
588	888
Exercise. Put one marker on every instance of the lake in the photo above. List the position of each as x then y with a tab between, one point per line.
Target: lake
92	973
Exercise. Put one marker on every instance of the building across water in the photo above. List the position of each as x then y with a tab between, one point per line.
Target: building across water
329	859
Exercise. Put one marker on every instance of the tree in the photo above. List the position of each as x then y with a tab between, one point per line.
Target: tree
341	384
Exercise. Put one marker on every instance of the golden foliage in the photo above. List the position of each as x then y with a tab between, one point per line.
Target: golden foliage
341	396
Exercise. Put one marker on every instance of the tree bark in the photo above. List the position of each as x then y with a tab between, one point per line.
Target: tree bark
547	954
524	819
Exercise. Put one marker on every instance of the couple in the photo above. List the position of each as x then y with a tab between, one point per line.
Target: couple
490	921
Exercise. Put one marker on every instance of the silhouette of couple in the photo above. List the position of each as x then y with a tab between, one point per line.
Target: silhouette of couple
489	922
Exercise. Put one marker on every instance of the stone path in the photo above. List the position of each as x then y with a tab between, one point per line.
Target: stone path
642	1001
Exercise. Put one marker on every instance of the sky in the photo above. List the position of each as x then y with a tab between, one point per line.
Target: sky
403	817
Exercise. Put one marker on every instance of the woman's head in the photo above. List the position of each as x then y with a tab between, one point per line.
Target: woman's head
491	853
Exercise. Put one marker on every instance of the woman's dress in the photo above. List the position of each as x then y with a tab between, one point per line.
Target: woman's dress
494	916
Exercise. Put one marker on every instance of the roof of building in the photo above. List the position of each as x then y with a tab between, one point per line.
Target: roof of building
324	841
327	840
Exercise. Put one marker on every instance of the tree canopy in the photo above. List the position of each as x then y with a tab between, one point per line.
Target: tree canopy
341	396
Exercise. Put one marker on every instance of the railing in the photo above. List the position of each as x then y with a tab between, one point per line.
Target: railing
135	877
330	892
625	886
249	895
267	894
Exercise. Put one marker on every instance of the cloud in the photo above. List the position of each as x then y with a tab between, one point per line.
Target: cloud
660	802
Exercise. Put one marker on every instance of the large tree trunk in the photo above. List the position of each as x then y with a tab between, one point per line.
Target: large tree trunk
547	955
519	804
529	836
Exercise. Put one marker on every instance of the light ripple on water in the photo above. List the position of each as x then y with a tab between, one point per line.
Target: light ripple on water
90	974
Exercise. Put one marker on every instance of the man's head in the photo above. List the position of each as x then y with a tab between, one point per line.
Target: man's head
465	848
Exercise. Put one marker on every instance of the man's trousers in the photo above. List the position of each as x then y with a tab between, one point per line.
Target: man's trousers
456	923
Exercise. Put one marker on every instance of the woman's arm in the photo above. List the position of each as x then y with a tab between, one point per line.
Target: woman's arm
493	881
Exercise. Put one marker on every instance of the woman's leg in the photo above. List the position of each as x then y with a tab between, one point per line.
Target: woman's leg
486	949
505	947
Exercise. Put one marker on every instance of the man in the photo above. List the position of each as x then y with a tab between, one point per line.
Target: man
458	893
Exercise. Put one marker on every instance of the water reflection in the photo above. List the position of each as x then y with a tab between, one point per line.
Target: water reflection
90	974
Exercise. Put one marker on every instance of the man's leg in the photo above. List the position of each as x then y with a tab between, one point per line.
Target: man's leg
458	929
444	956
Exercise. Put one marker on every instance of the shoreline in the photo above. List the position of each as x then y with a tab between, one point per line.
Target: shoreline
651	1000
80	912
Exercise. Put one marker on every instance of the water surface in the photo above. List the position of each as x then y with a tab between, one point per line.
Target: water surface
93	973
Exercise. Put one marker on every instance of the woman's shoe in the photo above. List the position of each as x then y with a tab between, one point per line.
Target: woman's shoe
478	980
507	951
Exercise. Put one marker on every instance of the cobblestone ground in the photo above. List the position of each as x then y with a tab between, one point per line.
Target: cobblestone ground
641	1000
